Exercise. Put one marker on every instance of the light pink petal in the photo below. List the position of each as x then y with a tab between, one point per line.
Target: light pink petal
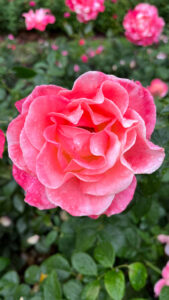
48	170
2	143
116	93
144	157
163	238
111	182
86	85
37	118
41	90
13	138
122	200
35	191
166	249
158	286
70	198
165	272
142	101
29	152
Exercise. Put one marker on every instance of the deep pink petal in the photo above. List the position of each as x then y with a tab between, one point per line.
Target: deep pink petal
35	191
2	143
19	104
165	272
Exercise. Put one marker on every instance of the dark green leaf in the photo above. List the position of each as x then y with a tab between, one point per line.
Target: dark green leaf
72	290
104	254
84	264
23	72
51	288
59	263
4	262
32	274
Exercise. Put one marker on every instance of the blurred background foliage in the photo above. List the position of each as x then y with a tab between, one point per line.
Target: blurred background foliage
48	255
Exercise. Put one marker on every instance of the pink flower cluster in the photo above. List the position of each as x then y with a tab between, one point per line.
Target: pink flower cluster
86	10
38	19
158	88
80	149
142	25
162	282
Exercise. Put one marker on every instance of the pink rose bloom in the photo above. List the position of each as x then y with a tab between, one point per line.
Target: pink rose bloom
91	53
76	68
162	282
32	3
80	149
84	58
2	143
54	47
82	42
142	25
11	37
158	88
66	15
86	10
38	19
64	53
100	49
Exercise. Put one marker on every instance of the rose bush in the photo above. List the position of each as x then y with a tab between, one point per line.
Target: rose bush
142	25
86	10
79	149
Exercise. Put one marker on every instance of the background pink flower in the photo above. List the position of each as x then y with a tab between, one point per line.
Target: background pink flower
32	3
2	143
84	58
76	68
38	19
66	15
162	282
164	239
158	88
142	25
89	143
86	10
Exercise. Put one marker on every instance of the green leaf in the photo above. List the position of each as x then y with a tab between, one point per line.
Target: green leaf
18	202
72	290
2	94
164	295
84	264
115	284
23	72
91	291
11	277
59	263
21	291
32	274
51	238
51	288
137	275
104	254
4	262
